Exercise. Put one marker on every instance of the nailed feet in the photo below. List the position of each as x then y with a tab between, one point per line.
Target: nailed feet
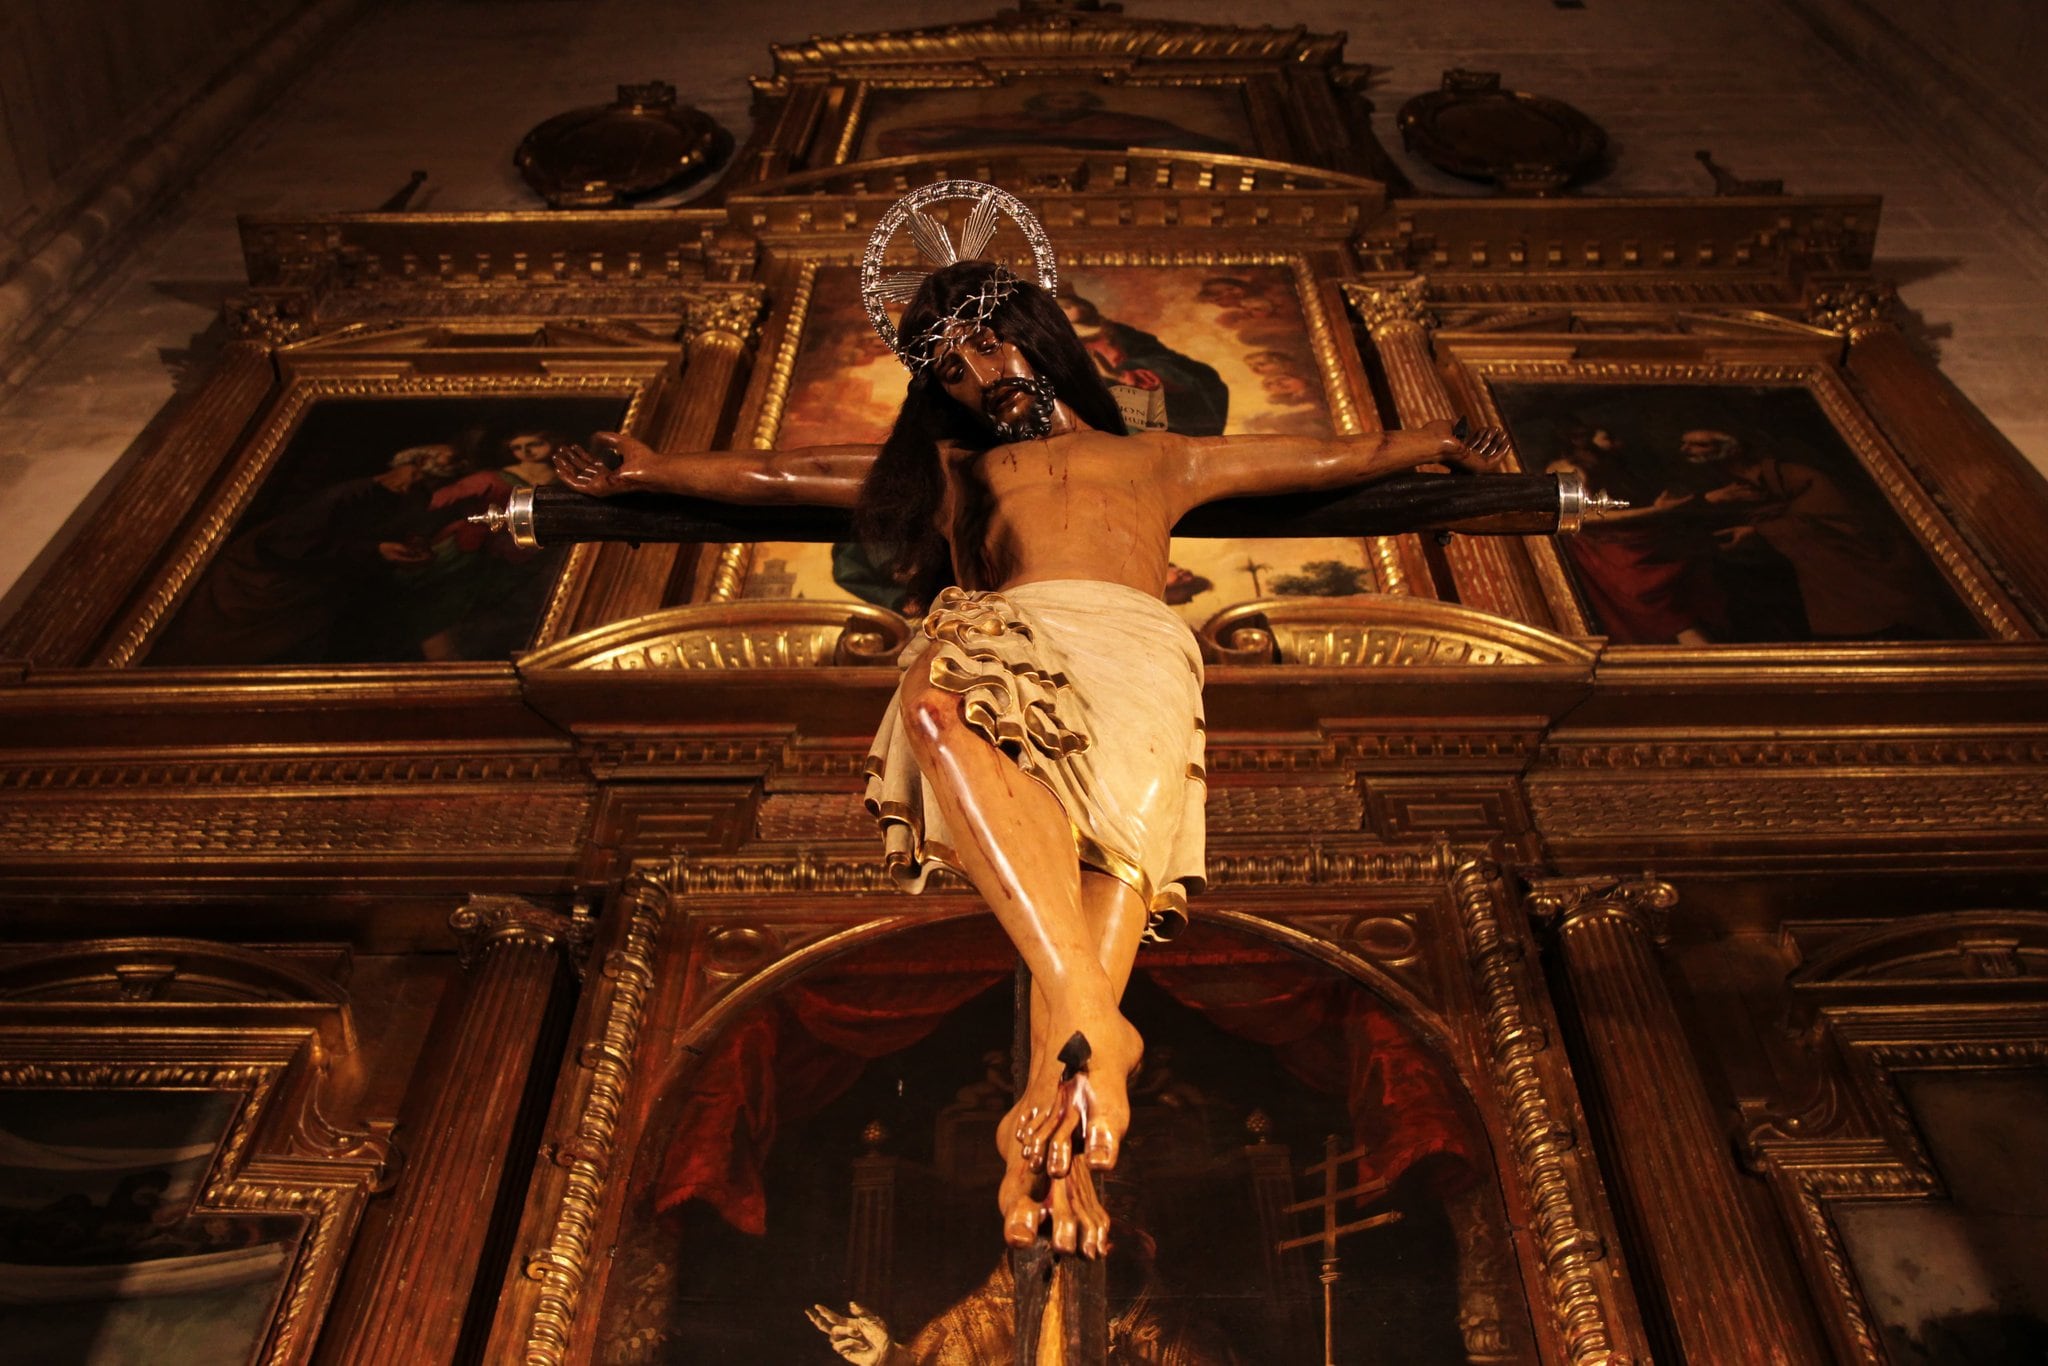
1075	1104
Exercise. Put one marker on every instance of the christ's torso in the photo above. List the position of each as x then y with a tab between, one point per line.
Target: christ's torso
1084	505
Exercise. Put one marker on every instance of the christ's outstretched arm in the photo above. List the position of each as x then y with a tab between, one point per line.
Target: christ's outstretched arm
1210	468
817	476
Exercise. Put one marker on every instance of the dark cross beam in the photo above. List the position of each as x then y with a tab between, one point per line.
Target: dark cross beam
1490	504
1332	1230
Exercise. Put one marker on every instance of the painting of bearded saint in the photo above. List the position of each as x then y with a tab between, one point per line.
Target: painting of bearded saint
1194	350
1751	521
816	1182
357	548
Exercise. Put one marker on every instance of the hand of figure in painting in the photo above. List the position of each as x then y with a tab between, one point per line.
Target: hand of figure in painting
636	463
857	1335
1729	537
1735	493
400	552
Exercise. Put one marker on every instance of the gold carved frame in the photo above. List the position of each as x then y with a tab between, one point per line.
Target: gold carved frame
1316	280
1299	95
1768	357
1939	993
402	360
172	1014
1435	930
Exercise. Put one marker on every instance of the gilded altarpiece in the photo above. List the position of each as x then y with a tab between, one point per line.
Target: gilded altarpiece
1441	772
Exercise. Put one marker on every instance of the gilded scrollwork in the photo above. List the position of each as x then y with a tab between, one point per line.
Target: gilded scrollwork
1583	1288
561	1264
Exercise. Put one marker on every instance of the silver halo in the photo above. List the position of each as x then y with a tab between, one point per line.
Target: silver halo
876	294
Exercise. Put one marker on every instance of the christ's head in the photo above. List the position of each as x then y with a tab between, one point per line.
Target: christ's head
1003	352
989	356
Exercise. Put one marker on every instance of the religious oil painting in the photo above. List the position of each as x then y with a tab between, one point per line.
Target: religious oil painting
1212	351
827	1160
357	548
1752	520
1961	1281
1057	112
104	1260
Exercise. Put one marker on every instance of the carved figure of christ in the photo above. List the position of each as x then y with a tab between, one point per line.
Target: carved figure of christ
1068	502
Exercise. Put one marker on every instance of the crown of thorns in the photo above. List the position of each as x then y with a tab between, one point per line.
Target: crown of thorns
936	245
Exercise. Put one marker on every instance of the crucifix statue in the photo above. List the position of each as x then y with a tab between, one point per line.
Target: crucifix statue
1046	739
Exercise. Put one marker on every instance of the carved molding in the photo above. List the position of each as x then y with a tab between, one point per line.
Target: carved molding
1857	1139
1757	752
175	772
1997	951
303	1165
741	634
585	1153
274	825
1587	1299
1870	805
1378	631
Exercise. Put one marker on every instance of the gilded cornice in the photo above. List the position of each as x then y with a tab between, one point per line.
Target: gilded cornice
1100	42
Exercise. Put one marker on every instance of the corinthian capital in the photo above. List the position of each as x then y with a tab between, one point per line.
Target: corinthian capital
1389	303
1567	902
735	311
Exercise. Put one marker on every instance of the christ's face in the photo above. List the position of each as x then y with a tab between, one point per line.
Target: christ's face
993	379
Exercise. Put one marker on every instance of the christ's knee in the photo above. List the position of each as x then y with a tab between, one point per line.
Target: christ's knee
932	717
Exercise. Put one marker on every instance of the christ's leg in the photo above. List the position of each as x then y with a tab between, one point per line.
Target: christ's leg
1116	921
1014	841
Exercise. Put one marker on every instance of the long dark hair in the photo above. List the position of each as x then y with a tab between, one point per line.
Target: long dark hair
899	502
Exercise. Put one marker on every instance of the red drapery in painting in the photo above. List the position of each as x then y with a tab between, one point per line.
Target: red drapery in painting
789	1058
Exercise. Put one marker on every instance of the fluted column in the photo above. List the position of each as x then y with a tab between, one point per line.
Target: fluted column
1728	1297
1953	448
718	327
448	1190
1490	573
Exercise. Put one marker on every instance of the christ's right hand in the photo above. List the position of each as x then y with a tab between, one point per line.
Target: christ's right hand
600	478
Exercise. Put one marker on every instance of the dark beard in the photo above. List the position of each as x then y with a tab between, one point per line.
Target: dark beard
1037	424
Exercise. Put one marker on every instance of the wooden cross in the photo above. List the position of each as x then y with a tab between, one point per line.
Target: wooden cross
1332	1230
1493	504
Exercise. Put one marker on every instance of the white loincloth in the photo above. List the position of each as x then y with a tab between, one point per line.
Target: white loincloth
1093	689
